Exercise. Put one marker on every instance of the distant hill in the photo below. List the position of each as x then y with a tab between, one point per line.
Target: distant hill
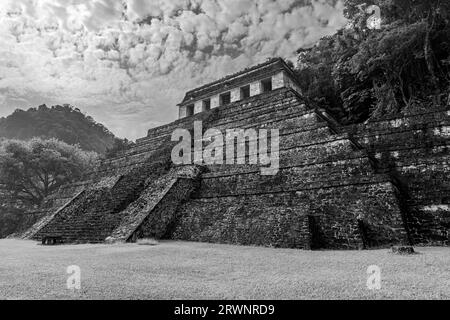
65	123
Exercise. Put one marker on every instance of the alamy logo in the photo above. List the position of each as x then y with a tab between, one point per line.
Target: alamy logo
374	279
238	145
74	280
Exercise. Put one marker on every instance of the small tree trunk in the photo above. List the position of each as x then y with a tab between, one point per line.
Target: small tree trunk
427	50
402	89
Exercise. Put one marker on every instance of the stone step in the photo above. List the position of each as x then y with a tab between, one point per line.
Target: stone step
164	195
95	215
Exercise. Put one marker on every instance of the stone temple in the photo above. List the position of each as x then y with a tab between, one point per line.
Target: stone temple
376	184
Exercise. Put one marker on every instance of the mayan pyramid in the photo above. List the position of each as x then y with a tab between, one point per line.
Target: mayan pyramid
367	185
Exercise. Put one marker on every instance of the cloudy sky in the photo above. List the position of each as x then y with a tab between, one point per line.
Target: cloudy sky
128	63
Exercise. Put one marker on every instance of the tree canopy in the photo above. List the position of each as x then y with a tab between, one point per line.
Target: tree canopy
362	72
31	170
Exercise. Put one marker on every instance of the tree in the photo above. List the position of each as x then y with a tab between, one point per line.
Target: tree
432	16
32	170
361	72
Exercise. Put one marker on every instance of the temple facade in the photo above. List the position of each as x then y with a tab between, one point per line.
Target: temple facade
265	77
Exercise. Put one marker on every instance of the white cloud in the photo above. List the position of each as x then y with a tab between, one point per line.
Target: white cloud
130	75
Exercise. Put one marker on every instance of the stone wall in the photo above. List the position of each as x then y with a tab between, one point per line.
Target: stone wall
415	148
278	219
326	193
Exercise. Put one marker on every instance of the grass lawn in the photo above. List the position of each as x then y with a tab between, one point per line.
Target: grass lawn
184	270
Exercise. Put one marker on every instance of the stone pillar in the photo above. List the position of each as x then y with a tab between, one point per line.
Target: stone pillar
235	95
198	107
255	88
278	81
215	101
182	112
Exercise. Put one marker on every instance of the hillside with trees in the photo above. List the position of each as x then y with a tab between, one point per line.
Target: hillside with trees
65	123
382	66
42	149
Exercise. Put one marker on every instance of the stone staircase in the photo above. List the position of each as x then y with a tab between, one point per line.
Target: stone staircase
93	215
39	225
154	211
115	210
